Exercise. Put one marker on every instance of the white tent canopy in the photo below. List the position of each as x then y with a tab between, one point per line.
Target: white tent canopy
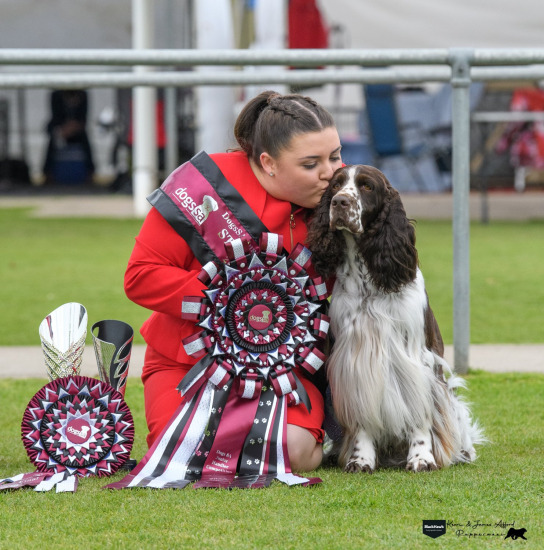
371	24
439	23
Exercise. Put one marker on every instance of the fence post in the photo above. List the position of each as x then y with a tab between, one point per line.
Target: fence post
460	61
144	151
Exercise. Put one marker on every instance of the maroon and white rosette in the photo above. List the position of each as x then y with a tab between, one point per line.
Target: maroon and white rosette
78	426
259	323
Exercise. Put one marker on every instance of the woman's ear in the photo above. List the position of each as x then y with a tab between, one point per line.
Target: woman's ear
268	163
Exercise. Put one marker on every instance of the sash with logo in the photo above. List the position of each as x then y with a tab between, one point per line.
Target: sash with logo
206	210
258	319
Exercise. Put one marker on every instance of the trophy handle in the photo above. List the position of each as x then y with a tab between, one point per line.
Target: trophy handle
112	346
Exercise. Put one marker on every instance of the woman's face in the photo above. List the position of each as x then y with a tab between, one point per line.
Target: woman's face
302	172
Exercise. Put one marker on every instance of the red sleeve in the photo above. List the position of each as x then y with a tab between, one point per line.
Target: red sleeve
162	268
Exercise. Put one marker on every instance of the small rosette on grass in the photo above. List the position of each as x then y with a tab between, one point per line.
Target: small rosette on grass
78	425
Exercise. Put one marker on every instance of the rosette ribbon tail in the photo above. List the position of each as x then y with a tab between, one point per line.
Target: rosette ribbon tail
264	456
194	379
41	481
174	460
63	482
301	393
218	438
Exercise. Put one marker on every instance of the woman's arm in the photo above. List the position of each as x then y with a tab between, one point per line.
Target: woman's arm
162	269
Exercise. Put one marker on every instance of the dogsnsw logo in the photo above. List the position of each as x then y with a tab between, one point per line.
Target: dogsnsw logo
260	317
78	431
199	212
434	528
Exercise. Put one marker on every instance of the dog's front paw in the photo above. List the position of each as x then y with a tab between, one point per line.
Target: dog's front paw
359	465
420	463
361	452
421	458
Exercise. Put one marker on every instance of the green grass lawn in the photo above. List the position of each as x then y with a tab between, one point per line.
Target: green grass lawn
347	511
47	262
506	274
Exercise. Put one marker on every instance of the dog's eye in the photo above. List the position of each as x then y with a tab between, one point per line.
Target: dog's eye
366	187
336	185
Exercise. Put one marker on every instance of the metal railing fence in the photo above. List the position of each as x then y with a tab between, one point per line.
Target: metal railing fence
458	66
373	66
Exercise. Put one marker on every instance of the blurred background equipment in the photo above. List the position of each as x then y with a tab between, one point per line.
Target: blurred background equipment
256	25
14	172
69	158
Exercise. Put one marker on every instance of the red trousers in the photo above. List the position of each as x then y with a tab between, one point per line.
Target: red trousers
161	377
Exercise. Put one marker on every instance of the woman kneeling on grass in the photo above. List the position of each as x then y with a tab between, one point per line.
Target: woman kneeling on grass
289	149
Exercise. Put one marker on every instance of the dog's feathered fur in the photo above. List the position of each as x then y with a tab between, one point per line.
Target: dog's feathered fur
386	369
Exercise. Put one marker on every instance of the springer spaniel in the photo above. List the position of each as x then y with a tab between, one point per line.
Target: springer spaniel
386	369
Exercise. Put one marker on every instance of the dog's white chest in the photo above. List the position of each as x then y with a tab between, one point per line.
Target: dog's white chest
379	348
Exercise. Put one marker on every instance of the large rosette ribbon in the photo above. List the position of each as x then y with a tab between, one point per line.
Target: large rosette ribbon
259	323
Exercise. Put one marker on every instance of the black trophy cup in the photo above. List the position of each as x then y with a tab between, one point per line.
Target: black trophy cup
112	342
112	345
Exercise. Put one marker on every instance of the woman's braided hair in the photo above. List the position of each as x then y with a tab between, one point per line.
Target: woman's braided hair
270	120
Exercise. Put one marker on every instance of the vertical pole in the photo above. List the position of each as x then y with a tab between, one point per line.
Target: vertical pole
460	62
144	153
21	111
215	104
170	100
171	125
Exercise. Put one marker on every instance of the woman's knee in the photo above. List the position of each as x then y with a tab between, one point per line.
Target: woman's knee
305	453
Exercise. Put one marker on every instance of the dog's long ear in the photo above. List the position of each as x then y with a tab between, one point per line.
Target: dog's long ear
327	246
388	245
433	337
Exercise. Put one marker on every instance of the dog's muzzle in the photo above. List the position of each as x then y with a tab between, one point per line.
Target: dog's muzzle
345	213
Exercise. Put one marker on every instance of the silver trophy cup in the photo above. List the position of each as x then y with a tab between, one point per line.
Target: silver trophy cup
62	334
112	346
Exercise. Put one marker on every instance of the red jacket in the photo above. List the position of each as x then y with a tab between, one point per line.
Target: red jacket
162	269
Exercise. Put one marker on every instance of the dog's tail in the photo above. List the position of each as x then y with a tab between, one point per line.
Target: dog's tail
454	432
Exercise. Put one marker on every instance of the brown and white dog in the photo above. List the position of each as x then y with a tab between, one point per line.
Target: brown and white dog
386	370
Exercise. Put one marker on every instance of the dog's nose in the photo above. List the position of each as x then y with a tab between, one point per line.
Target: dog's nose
340	201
